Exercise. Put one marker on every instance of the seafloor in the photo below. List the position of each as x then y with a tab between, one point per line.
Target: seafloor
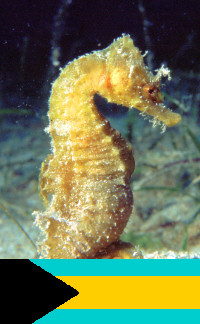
165	222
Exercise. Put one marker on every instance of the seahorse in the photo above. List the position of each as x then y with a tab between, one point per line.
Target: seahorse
85	180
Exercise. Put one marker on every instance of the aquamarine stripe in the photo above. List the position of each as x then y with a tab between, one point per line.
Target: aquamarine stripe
120	267
119	316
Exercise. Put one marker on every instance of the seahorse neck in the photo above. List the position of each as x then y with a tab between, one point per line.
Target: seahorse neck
75	103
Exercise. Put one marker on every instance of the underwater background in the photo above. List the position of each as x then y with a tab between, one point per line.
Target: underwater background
37	38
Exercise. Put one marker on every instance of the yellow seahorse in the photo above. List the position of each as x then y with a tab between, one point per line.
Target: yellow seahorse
85	181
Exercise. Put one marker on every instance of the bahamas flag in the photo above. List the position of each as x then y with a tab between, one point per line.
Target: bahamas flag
127	291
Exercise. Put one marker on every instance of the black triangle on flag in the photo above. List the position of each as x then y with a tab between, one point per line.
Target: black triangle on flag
28	292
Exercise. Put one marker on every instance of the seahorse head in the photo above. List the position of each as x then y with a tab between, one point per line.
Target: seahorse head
130	83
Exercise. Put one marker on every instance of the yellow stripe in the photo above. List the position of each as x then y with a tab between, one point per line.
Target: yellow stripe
141	292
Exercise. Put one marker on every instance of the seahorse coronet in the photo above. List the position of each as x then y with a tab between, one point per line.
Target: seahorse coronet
84	182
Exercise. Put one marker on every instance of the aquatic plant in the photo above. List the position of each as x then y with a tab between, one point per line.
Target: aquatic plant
6	211
84	182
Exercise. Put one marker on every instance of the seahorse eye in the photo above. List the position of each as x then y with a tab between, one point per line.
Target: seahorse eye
151	90
152	93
